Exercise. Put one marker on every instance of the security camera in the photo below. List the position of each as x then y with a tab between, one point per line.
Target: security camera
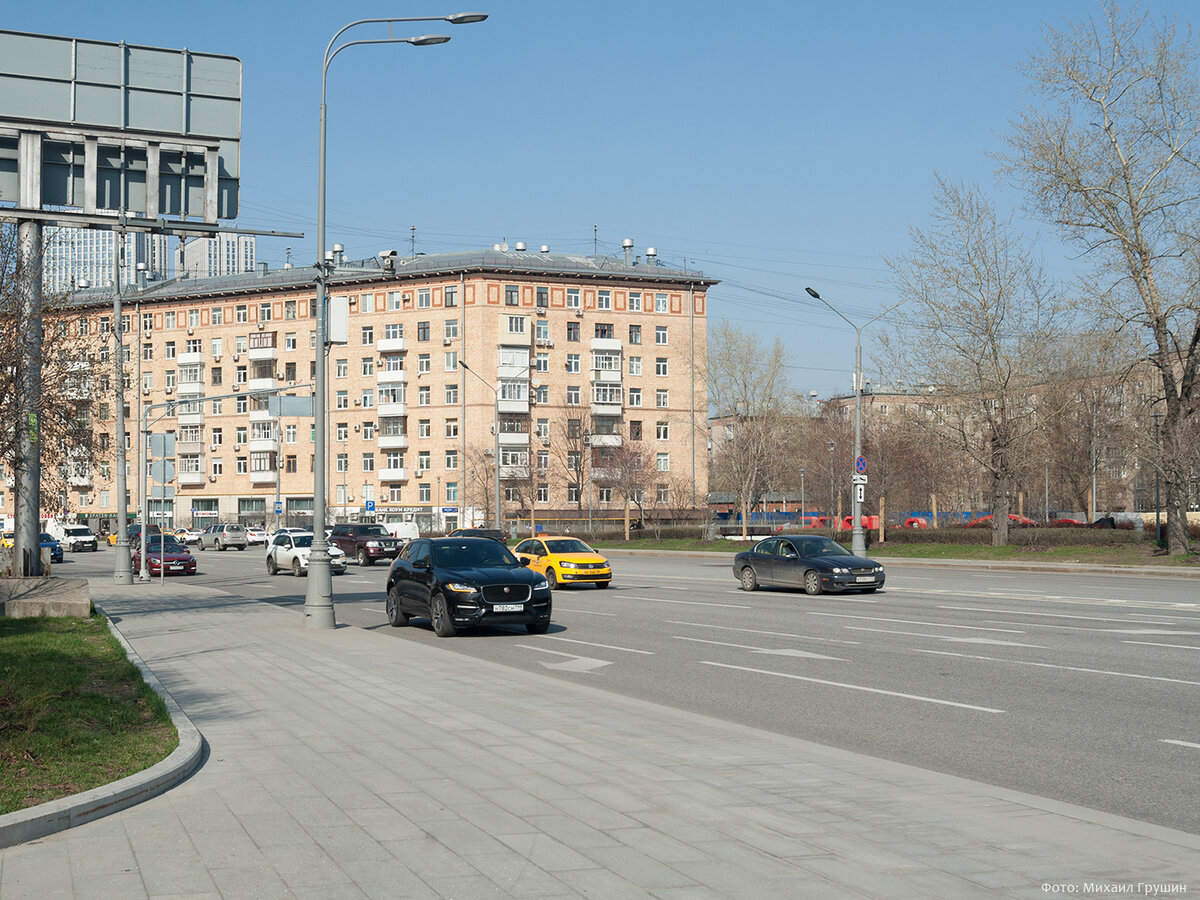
388	254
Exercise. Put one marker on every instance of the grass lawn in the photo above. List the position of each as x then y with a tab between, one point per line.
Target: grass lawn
74	711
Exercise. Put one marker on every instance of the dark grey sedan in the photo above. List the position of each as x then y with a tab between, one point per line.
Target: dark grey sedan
813	563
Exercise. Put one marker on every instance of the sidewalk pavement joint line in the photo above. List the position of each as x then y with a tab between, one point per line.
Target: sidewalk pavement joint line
24	825
856	687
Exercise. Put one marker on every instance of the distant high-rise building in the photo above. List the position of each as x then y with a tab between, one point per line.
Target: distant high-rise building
225	254
75	256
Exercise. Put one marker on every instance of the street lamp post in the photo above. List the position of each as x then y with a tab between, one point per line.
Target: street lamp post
802	498
1157	469
318	599
831	523
858	544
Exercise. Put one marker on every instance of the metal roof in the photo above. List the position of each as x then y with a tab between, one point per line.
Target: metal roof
348	274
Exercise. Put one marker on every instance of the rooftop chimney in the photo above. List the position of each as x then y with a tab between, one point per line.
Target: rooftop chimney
627	246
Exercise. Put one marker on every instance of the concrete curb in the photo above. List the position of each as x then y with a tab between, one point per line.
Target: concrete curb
57	815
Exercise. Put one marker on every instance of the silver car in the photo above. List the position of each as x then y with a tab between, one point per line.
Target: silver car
291	552
222	537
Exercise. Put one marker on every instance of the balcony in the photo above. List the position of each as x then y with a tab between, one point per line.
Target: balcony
605	440
190	388
188	359
189	479
267	477
190	418
387	410
261	384
514	472
189	448
393	475
610	344
393	442
606	409
260	415
606	376
600	475
79	481
263	353
391	376
392	345
514	439
514	406
260	445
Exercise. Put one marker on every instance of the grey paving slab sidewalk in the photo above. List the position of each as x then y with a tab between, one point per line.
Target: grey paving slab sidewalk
344	763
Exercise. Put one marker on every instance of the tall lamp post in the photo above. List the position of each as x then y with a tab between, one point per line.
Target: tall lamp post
1157	469
318	599
858	544
495	434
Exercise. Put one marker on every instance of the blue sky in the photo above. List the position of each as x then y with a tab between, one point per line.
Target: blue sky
772	145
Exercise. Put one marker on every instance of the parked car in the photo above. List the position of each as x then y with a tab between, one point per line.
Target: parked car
134	534
918	522
8	539
255	535
494	533
188	535
290	552
1013	519
164	556
364	541
222	537
813	563
564	560
1068	523
279	531
47	540
465	582
78	537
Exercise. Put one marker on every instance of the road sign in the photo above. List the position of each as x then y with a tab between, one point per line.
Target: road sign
858	479
370	506
860	493
278	507
860	465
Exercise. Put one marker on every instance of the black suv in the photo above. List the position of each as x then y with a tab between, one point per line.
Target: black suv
365	542
464	583
494	533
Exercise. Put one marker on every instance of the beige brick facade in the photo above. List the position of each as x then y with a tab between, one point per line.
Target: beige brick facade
582	355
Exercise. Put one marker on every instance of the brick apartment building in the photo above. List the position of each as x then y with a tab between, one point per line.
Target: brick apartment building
578	357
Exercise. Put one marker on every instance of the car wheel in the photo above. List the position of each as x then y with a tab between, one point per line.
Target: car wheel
363	559
243	547
395	616
602	584
221	546
538	627
297	569
550	579
812	582
749	579
271	567
439	617
869	590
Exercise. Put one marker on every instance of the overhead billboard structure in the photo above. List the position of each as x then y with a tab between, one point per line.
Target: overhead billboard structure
91	127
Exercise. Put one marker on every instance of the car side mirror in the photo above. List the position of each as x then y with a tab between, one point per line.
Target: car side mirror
421	564
523	560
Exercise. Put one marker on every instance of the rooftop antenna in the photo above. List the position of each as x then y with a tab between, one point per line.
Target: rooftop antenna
412	239
595	240
288	253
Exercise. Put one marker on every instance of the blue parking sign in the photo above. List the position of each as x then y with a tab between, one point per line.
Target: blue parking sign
370	505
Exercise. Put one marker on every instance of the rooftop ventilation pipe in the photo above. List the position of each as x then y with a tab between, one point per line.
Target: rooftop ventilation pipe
627	246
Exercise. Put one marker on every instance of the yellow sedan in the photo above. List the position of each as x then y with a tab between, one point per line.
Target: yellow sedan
565	560
8	540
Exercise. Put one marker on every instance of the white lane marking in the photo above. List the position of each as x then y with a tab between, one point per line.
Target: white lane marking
914	622
574	663
625	596
1023	662
782	634
554	637
855	687
1170	631
764	650
1179	743
1048	615
946	637
590	612
1153	644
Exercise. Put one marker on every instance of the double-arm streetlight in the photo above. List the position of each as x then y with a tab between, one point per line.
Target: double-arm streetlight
858	544
318	600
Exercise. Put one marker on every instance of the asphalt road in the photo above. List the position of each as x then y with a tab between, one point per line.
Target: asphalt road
1081	689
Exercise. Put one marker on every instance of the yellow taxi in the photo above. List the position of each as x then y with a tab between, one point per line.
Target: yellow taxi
8	540
564	560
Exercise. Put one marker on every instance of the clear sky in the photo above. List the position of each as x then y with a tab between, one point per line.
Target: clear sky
772	144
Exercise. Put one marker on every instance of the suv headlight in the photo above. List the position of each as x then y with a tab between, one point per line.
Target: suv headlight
542	585
374	545
461	587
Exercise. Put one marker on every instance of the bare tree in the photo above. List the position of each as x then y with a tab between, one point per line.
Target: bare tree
977	325
628	470
1112	156
746	387
68	420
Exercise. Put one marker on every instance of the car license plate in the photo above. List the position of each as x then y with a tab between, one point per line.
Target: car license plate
175	568
508	607
865	578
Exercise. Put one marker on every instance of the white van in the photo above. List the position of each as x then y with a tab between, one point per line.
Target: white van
405	531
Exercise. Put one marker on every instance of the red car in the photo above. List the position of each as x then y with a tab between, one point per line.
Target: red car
1068	523
1013	519
164	555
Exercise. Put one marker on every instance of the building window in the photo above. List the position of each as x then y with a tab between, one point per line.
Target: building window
662	462
451	295
289	309
423	298
423	363
341	400
216	316
368	335
368	365
662	431
573	331
660	334
604	494
451	459
422	331
516	325
573	395
635	429
452	428
573	363
241	314
368	462
423	395
572	298
341	368
605	330
635	365
660	365
635	334
543	297
604	300
661	399
289	341
450	361
512	295
368	398
635	396
451	394
660	303
451	329
635	301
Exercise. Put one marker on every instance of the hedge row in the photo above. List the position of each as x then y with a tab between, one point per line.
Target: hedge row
1017	537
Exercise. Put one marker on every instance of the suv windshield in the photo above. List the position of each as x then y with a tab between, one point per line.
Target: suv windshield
471	553
373	530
